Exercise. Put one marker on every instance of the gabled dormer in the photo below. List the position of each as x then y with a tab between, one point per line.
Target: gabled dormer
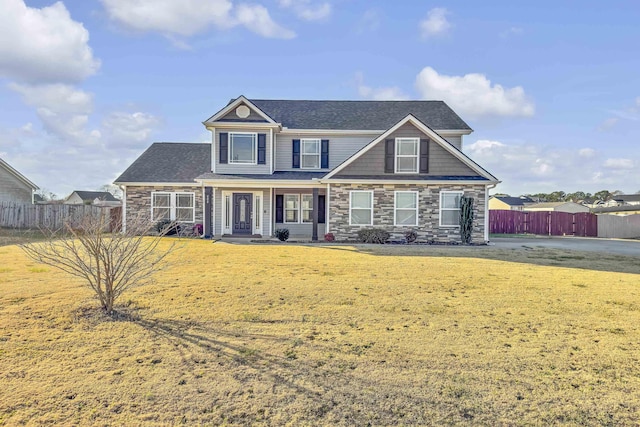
242	138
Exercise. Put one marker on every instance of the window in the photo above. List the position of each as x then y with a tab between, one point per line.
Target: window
361	208
407	153
310	153
258	208
173	206
160	206
243	148
291	207
450	208
406	208
307	208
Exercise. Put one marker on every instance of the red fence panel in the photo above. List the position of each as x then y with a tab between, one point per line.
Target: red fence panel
586	224
544	223
507	222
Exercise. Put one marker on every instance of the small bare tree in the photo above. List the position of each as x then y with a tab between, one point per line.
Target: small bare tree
108	263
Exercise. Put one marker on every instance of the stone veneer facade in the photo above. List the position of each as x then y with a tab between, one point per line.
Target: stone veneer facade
428	227
139	200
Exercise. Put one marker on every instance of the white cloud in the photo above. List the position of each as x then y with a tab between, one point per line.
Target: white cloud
304	9
63	109
391	93
473	94
43	45
256	18
370	21
188	17
587	152
608	124
513	31
129	129
532	168
435	24
619	163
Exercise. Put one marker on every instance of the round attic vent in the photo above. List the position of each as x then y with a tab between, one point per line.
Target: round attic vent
243	111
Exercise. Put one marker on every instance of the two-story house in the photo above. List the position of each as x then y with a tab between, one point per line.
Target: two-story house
315	167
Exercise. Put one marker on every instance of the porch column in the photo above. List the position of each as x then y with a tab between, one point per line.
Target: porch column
314	214
208	217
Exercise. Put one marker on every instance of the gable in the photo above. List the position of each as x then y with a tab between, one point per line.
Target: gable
441	162
237	114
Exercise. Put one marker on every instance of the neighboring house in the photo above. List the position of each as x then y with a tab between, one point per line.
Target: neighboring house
15	187
97	198
627	199
622	210
509	203
315	167
569	207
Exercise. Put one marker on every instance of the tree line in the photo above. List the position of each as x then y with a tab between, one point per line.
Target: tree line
577	197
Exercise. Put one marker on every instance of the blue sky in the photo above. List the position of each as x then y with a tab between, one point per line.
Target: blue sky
551	89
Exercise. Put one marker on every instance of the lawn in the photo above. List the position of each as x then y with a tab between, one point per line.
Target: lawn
328	335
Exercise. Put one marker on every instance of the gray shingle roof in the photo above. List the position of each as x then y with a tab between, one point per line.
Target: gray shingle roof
92	195
514	201
283	175
169	162
358	115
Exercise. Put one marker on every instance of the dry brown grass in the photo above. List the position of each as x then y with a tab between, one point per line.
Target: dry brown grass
295	335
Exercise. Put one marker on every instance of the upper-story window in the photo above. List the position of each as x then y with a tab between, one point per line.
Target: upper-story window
243	148
407	153
310	153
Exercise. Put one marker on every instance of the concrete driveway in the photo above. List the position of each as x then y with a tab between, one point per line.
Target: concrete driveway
609	246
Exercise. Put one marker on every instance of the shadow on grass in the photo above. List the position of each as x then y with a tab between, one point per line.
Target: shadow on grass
327	392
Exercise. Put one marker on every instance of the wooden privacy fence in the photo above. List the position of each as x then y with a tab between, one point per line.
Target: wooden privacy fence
622	227
547	223
52	216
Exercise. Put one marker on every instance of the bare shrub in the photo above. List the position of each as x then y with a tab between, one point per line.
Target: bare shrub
108	263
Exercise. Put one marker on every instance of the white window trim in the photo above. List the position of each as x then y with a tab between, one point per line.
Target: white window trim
230	150
395	208
172	204
284	209
226	214
351	207
441	209
302	153
416	156
302	210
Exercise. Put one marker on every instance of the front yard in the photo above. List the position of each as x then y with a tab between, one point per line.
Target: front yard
328	335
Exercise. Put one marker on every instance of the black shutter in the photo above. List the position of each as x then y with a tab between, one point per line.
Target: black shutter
321	209
262	148
324	154
279	208
224	148
424	156
296	154
389	155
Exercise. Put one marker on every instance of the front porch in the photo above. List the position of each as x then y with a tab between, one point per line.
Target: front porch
253	212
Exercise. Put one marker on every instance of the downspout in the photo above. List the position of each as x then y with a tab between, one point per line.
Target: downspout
486	210
124	208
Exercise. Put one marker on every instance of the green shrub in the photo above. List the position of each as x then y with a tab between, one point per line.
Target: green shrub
373	235
167	227
410	236
282	234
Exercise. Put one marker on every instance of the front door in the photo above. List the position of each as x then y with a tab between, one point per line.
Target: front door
242	212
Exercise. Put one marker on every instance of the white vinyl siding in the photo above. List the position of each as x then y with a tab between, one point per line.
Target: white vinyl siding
340	148
405	209
174	206
361	208
450	208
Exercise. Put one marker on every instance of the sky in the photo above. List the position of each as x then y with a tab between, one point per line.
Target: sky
551	88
